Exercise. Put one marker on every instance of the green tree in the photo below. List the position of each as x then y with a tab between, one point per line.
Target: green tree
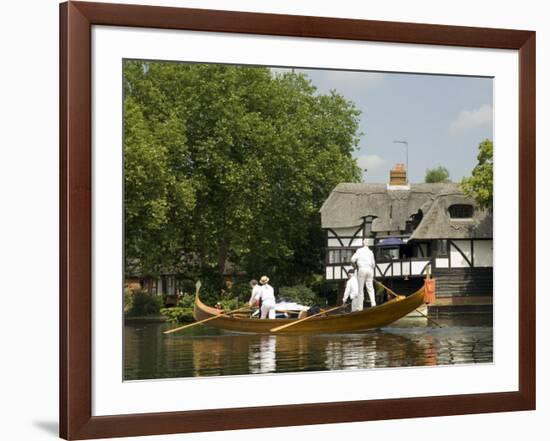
480	185
154	196
437	174
231	164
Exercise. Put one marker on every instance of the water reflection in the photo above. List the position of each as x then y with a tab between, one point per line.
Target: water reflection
210	352
262	355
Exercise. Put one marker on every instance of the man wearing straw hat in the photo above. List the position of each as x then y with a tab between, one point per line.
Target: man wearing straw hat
267	297
364	259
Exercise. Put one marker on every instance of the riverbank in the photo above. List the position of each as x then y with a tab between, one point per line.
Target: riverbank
146	319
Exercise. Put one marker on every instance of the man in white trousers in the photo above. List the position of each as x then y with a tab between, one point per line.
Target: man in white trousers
352	292
255	297
267	297
364	260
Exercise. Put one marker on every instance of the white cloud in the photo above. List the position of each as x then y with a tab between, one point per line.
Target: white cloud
372	163
469	119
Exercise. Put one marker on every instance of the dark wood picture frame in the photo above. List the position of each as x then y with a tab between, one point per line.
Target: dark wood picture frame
76	20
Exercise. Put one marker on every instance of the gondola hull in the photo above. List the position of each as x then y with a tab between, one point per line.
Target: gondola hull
369	318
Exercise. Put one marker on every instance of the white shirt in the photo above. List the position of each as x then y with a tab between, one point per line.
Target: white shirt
255	296
267	293
352	288
364	258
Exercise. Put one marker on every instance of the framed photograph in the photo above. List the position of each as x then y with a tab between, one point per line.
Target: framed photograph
272	220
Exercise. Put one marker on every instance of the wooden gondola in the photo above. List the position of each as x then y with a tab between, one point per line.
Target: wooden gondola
370	318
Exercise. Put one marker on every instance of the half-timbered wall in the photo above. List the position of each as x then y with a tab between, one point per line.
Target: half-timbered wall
345	237
342	243
460	253
465	254
448	254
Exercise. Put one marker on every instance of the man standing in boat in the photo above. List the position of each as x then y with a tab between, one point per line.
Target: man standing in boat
352	292
267	297
256	294
364	260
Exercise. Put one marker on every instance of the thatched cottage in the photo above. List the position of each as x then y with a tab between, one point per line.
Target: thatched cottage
412	228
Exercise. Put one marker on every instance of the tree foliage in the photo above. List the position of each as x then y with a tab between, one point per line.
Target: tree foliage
437	174
230	164
480	185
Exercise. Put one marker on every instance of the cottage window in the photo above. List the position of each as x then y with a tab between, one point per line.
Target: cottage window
340	256
461	211
389	253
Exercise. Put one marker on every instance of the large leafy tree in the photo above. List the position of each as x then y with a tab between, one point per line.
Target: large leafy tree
437	174
230	164
480	185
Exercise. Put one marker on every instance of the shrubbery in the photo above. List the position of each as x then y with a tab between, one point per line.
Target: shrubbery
177	314
186	301
183	312
143	303
299	294
128	299
229	304
240	291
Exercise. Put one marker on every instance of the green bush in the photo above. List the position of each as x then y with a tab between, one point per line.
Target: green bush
229	304
144	304
212	285
178	314
299	294
186	301
128	299
241	291
328	292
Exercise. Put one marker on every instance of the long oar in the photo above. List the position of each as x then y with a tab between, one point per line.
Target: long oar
400	296
288	325
206	320
393	293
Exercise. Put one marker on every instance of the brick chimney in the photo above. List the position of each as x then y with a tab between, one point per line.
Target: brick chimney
398	175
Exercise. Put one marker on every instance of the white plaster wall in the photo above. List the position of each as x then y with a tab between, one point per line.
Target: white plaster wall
457	259
483	253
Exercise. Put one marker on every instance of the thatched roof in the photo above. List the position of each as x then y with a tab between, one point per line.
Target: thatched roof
349	203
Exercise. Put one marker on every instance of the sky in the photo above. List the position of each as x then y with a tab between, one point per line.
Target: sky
443	119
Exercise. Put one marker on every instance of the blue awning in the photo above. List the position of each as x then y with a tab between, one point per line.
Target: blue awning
390	242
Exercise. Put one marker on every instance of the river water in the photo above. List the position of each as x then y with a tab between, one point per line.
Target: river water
203	351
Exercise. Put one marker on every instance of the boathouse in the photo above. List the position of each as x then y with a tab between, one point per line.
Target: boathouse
413	229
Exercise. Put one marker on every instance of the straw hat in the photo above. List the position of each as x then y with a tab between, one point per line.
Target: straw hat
264	280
